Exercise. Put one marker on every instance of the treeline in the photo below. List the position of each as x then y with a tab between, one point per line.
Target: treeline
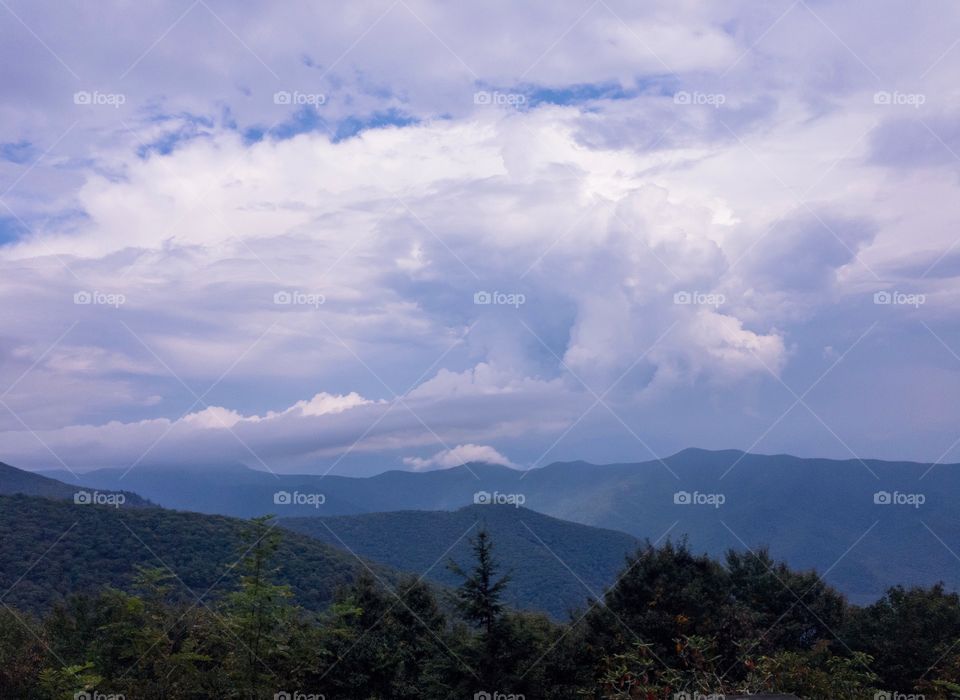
674	622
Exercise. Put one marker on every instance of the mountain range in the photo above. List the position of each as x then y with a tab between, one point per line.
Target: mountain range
866	524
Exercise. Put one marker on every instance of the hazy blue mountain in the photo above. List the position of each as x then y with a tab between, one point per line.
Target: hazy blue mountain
17	481
810	512
554	565
238	490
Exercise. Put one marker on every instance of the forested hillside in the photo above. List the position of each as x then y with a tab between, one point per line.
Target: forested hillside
674	623
555	566
51	549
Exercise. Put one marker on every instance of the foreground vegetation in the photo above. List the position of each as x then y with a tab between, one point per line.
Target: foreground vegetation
673	622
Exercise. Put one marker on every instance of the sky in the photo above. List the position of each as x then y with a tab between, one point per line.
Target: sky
349	237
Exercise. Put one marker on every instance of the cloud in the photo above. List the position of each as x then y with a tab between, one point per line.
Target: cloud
455	456
660	245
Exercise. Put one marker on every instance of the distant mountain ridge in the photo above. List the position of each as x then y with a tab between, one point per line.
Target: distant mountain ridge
17	481
554	565
812	513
